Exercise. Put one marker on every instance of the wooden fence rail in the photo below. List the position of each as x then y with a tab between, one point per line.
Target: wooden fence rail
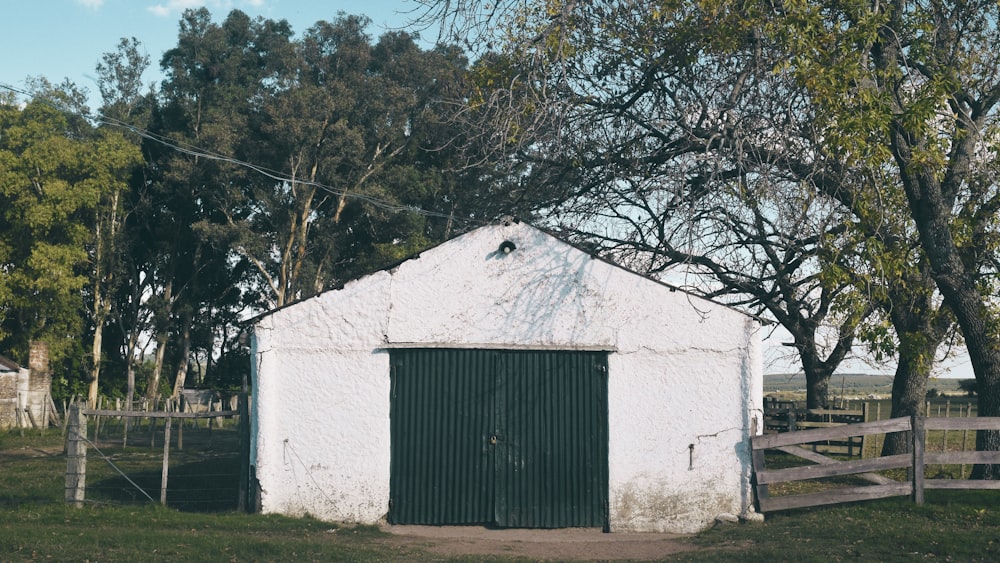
786	416
917	426
76	445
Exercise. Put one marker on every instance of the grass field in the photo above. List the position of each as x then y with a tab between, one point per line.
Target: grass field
35	525
851	385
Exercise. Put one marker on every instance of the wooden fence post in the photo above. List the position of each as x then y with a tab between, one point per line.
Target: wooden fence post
757	457
878	443
53	411
180	423
45	418
944	438
864	439
244	428
919	438
965	437
166	462
76	455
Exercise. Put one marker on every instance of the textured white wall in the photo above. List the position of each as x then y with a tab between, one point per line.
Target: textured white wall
682	371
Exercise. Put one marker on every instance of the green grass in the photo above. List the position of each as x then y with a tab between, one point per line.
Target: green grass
154	533
204	476
951	526
36	525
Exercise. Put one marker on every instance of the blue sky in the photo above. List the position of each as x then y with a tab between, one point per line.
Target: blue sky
61	39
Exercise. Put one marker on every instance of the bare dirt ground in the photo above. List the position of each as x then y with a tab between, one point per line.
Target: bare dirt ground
580	544
25	453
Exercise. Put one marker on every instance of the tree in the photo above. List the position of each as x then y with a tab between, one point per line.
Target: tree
350	125
638	134
676	132
279	167
56	172
969	387
838	103
204	101
119	80
925	92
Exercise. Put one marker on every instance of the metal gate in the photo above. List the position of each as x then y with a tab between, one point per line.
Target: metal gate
512	438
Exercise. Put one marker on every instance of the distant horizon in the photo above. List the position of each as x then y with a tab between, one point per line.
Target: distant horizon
865	374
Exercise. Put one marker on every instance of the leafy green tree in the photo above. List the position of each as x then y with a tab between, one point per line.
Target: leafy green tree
119	80
279	167
922	89
352	128
57	170
118	288
203	104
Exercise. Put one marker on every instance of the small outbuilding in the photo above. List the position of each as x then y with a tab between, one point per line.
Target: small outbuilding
507	378
10	375
25	393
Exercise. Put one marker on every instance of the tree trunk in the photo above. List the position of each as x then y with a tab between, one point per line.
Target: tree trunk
818	388
817	371
104	249
102	310
153	386
959	288
920	325
162	337
988	383
95	349
182	367
931	192
909	391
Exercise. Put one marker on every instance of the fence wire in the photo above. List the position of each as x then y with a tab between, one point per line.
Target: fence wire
203	469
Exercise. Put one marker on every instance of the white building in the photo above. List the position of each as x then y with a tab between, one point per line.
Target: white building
507	378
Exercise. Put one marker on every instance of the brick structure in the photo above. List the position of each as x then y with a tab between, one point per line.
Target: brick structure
9	371
27	390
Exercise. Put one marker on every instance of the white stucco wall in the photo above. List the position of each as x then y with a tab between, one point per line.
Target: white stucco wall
682	372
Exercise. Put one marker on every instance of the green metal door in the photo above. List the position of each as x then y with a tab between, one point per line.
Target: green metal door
501	437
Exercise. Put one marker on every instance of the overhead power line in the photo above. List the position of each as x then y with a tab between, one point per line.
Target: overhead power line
199	152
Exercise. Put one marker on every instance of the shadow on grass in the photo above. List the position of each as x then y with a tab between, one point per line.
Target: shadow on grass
207	485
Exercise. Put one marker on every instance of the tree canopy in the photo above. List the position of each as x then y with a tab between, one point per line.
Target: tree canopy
828	165
265	167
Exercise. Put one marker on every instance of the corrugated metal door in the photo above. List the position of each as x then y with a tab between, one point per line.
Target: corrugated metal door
511	438
443	466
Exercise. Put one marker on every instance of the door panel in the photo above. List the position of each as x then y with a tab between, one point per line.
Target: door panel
552	461
442	463
511	438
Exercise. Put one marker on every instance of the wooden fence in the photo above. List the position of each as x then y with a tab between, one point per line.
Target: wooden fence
785	416
77	442
796	444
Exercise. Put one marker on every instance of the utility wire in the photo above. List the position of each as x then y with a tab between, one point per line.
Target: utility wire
195	151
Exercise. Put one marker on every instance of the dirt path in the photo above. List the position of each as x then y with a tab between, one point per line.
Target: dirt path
564	544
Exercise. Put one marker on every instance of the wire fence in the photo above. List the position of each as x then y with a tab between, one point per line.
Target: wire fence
191	461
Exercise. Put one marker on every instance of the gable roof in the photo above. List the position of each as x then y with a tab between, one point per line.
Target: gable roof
507	223
7	364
